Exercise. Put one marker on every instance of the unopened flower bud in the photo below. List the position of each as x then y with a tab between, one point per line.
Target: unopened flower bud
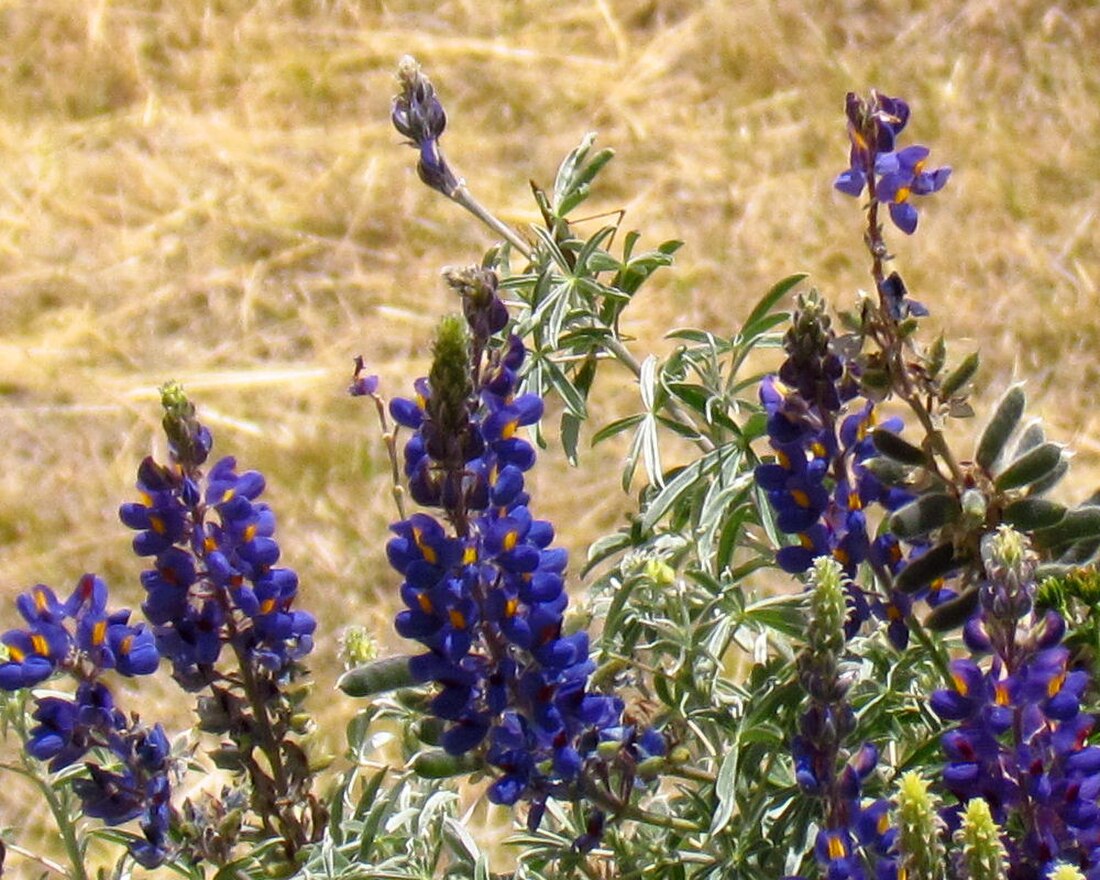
983	855
919	829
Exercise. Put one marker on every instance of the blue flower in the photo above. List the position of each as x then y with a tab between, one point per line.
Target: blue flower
895	175
903	176
215	578
487	600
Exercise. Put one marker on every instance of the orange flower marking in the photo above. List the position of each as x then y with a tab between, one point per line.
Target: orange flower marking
837	848
1056	683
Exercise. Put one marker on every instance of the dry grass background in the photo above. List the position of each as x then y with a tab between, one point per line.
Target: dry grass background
210	190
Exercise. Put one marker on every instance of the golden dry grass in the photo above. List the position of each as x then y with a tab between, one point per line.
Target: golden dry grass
211	191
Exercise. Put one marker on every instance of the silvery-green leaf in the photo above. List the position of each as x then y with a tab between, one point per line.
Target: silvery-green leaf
937	356
1077	525
953	613
926	568
923	515
886	471
894	447
1030	437
1029	514
1052	479
1000	427
1032	466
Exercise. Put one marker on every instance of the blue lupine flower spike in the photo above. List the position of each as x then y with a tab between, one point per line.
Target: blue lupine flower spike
484	589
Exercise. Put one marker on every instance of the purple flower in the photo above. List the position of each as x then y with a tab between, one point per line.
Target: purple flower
903	175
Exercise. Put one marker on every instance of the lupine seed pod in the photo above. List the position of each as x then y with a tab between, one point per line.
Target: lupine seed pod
1000	427
1077	525
921	516
982	854
919	842
430	730
962	374
902	451
953	613
1030	467
925	569
1029	514
442	765
377	677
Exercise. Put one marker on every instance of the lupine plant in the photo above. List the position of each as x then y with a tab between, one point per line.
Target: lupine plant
838	642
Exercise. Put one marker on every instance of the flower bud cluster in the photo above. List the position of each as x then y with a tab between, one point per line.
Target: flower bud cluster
419	116
81	638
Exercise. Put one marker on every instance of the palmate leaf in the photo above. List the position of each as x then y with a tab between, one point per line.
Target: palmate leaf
575	175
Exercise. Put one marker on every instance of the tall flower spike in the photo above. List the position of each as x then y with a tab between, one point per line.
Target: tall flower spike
850	831
484	591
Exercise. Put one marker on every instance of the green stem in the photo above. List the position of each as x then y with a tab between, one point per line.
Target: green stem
672	822
691	773
60	813
63	819
461	196
48	864
936	652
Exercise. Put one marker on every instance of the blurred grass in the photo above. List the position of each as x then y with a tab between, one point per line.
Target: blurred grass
211	191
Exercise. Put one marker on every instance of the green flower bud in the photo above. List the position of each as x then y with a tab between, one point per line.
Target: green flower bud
828	607
1062	871
974	507
919	830
357	647
449	405
188	440
979	837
